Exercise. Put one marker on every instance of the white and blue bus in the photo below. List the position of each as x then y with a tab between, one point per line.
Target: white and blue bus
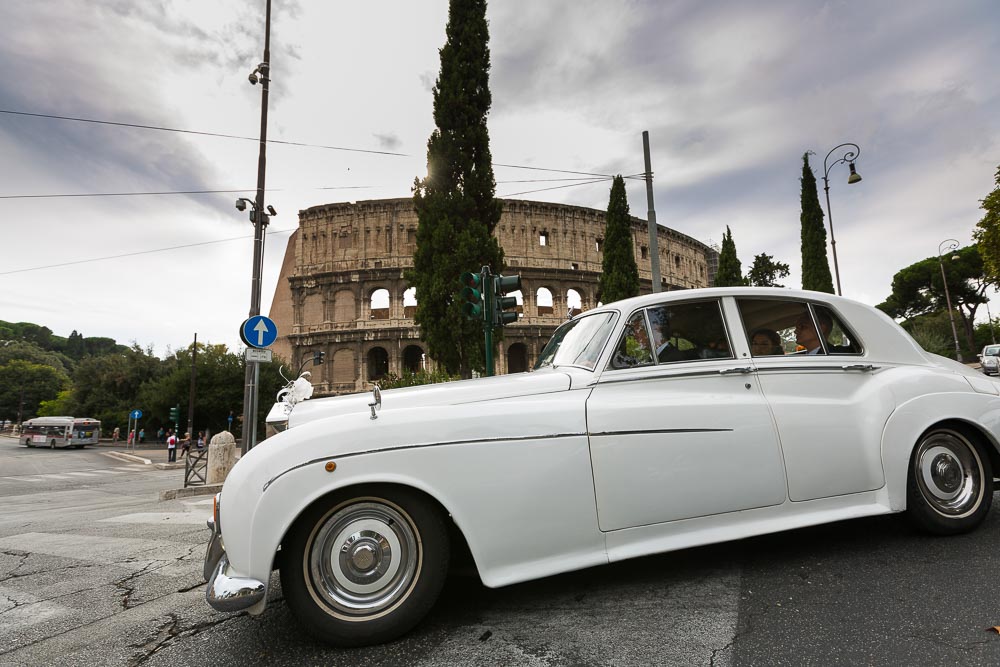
55	432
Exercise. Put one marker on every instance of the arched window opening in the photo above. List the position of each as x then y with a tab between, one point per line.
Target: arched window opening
378	363
574	302
517	358
380	305
413	359
410	303
543	297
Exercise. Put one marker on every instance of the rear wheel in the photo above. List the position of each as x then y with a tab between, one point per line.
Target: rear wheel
52	445
950	486
27	442
365	569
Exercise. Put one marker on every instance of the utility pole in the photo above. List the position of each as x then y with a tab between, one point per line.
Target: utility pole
249	438
194	359
654	241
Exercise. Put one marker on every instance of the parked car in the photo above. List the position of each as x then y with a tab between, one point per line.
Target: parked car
989	360
652	424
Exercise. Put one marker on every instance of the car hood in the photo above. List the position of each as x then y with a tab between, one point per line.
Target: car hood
445	393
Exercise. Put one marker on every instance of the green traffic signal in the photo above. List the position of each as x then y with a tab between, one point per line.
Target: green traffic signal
502	285
471	295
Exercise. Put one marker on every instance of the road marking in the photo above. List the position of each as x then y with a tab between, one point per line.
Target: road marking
81	474
54	477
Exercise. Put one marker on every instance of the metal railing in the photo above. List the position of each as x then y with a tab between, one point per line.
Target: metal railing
196	468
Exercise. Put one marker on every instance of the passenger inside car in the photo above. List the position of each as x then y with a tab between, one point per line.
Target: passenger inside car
764	342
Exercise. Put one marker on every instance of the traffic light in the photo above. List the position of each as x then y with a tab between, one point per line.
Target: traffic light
503	285
318	358
472	296
175	414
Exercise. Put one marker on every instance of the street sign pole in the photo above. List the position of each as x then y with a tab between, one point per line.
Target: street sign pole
253	372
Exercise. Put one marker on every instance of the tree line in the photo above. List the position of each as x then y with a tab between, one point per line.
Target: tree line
42	374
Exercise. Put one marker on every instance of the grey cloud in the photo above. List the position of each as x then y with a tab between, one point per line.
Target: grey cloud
388	141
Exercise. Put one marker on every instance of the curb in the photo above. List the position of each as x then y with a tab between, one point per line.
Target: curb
130	458
207	490
169	466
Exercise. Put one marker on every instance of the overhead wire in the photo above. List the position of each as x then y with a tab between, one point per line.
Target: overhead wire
142	252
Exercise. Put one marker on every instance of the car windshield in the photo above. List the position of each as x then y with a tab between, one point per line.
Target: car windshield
578	342
992	351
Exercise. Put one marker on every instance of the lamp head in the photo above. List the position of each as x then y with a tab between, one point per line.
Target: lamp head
855	177
270	209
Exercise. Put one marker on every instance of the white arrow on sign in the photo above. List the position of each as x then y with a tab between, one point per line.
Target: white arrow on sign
261	329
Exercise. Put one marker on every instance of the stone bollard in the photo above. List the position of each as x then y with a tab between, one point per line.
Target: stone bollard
221	457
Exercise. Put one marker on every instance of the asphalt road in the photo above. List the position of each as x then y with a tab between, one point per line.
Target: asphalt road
95	570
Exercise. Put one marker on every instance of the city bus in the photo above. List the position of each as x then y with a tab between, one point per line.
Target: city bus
55	432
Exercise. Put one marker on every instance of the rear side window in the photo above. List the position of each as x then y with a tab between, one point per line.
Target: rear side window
777	327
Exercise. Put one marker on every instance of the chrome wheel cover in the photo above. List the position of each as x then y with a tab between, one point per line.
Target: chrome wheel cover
362	559
949	474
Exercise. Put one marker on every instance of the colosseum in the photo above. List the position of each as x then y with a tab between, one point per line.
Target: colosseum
341	288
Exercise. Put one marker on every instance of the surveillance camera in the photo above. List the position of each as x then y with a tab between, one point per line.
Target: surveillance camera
241	205
270	209
253	77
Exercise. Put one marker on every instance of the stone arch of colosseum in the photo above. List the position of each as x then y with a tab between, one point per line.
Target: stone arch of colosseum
342	254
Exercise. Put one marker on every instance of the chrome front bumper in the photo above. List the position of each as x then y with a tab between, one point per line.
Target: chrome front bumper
224	591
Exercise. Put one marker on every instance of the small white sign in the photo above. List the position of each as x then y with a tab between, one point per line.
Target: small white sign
258	355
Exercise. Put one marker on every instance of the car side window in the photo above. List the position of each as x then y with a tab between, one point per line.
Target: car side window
689	331
777	327
671	333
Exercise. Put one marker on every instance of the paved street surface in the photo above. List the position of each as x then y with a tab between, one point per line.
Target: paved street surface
94	569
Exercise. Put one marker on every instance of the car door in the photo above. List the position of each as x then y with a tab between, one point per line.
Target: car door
828	404
678	426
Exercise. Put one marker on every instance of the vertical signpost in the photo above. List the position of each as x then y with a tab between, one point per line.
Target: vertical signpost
136	415
257	332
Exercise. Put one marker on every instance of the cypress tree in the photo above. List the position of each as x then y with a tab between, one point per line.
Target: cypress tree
815	265
730	273
455	203
619	273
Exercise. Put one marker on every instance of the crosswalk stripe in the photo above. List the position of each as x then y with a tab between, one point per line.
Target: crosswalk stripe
81	474
50	476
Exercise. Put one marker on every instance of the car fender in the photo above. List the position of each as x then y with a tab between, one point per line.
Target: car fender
522	497
909	421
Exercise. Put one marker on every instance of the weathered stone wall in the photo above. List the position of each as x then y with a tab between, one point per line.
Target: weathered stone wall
342	254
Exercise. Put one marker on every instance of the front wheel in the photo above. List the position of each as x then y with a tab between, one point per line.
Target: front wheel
950	487
365	569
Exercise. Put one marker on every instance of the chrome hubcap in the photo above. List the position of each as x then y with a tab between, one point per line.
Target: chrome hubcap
949	473
363	558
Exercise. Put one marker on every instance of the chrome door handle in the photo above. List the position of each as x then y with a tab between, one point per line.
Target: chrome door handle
859	367
734	371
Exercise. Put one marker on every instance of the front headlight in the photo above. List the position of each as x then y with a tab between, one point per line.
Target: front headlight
277	418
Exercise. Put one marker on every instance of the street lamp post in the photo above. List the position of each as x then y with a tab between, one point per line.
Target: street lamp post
849	157
953	245
262	74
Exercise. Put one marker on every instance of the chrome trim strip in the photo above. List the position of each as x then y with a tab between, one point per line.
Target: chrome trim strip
663	374
663	430
419	446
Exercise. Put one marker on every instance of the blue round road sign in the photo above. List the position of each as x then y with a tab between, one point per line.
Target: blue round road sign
135	414
258	331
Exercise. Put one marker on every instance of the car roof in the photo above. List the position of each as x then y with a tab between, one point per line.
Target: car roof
628	305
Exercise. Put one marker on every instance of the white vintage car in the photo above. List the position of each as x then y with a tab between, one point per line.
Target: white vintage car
656	423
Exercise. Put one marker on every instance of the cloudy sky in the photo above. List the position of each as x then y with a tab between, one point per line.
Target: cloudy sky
732	94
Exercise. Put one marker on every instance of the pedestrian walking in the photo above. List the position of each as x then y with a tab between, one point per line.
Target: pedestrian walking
131	436
115	434
142	435
186	445
171	447
159	435
201	440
